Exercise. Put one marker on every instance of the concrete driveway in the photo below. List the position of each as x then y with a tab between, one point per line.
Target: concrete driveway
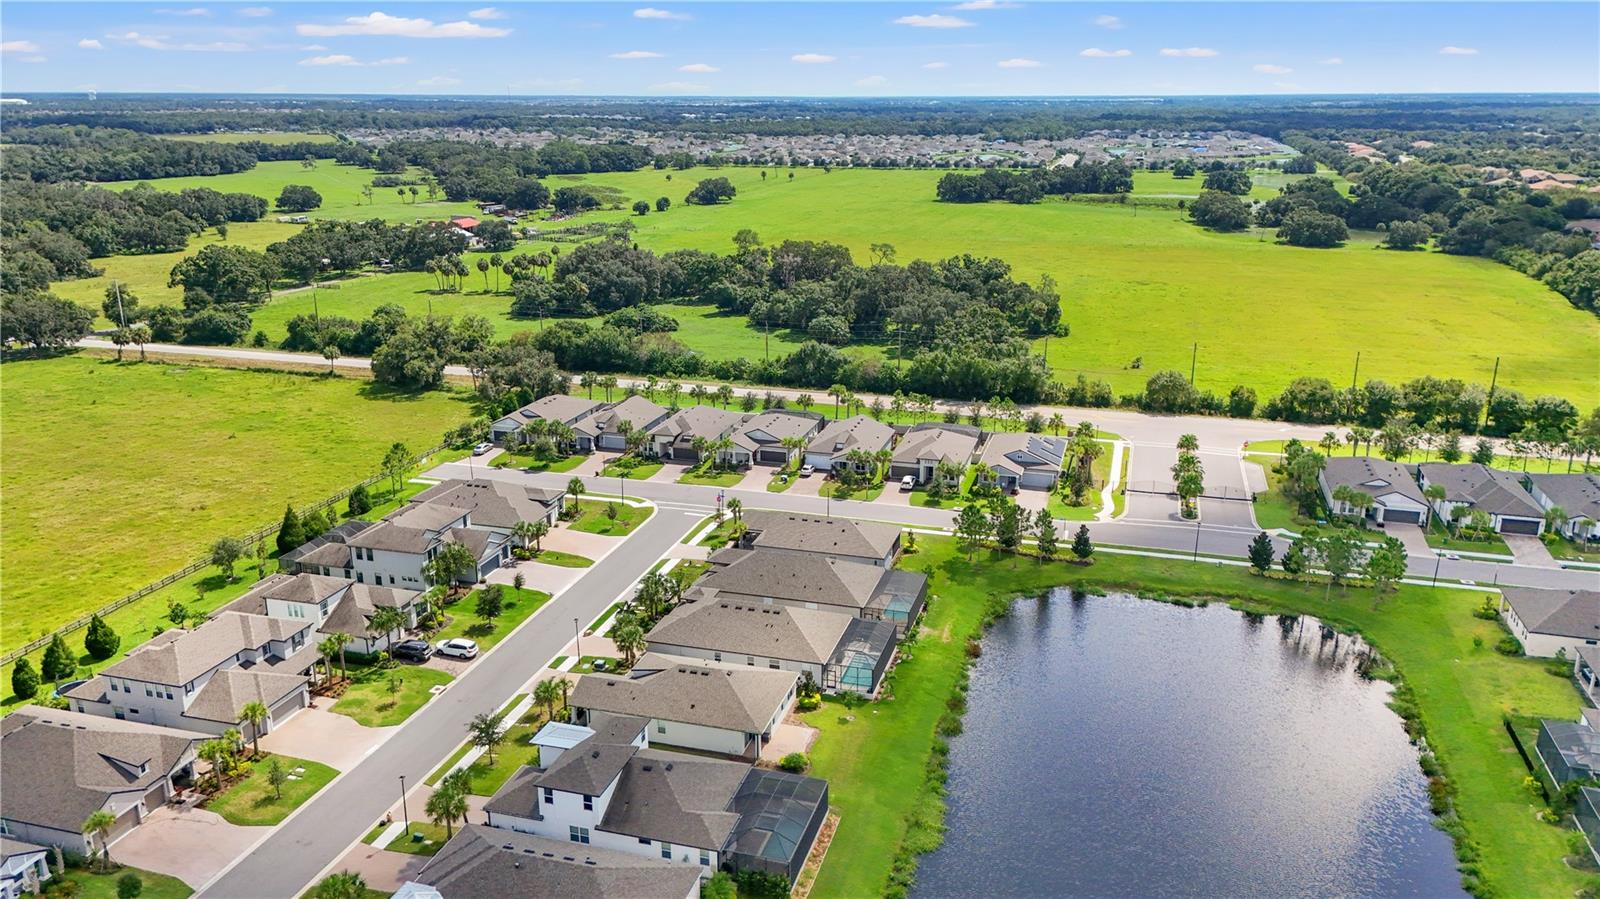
756	477
536	576
190	844
807	486
1032	500
1412	536
591	464
580	543
1530	551
669	474
323	736
383	870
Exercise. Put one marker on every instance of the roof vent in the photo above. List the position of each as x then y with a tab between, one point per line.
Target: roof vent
669	766
594	753
589	861
648	767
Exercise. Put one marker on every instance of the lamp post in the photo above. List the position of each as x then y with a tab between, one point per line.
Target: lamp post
577	639
1196	556
405	813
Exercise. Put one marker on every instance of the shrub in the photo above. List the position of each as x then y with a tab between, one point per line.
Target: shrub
58	662
360	501
794	762
101	642
24	680
1487	611
129	886
1509	646
808	703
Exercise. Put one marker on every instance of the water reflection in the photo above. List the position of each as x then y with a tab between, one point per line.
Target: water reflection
1133	748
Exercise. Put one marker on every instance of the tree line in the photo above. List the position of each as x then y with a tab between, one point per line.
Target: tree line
1033	185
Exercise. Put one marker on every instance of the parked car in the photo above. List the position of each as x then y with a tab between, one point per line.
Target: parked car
807	470
411	651
482	448
458	648
908	483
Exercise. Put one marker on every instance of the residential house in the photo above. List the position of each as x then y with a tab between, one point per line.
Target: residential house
604	785
704	706
608	427
926	445
498	506
485	861
1393	488
1576	495
24	867
307	558
674	439
395	552
830	447
1570	750
839	538
1013	459
336	605
1472	487
813	581
760	441
839	651
1548	621
201	680
558	407
59	767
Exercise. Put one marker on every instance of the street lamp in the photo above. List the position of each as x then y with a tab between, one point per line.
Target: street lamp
577	638
405	813
1196	556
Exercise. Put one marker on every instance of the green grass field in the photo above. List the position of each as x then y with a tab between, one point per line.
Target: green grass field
118	474
517	605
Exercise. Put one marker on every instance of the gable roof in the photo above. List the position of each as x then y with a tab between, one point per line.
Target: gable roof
1374	477
856	432
227	692
496	504
561	407
937	442
593	764
1020	451
57	767
334	538
1562	613
484	861
817	534
308	589
177	662
1491	490
636	410
1576	494
691	692
778	632
776	424
353	614
698	421
795	576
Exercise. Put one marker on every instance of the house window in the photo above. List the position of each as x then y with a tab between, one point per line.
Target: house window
661	727
749	660
147	690
772	663
578	834
643	841
588	803
716	656
666	851
705	857
114	687
188	687
549	796
361	578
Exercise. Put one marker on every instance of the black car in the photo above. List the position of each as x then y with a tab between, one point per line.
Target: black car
412	651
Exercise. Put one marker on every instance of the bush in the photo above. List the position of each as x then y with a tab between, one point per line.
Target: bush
24	680
808	703
794	762
58	662
101	642
360	501
1220	211
129	886
1406	235
1509	646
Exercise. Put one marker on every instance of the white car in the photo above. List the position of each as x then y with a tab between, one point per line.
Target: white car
908	483
807	470
457	648
482	448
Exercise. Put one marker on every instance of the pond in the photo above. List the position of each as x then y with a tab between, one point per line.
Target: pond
1116	746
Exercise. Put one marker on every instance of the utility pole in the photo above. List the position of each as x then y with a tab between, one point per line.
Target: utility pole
1489	403
1194	356
1357	372
116	286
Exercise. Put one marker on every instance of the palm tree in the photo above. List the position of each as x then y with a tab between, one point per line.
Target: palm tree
448	803
387	621
838	392
1056	423
523	531
630	641
345	884
139	333
498	263
1189	443
698	393
736	509
1358	436
255	714
1554	518
483	269
337	642
546	692
452	561
97	827
725	394
215	753
1330	442
330	353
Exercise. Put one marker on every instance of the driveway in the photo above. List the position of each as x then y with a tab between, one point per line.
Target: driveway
383	870
536	576
1530	551
756	478
580	543
1032	500
591	465
1412	536
323	736
190	844
669	474
807	486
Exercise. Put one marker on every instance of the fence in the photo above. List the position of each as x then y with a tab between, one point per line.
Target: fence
1168	488
251	537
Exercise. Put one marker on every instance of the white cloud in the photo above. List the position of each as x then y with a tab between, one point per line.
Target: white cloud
256	12
1097	53
936	65
192	12
313	48
1112	22
872	81
679	87
699	68
1267	68
812	57
385	25
90	43
341	59
160	42
650	12
1188	51
977	5
636	54
1458	51
19	47
1333	61
1019	63
438	81
936	20
487	12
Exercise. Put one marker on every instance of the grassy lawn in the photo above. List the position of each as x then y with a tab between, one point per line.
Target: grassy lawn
586	664
265	439
864	494
464	620
527	462
514	753
1092	501
252	801
434	836
594	519
1272	508
920	497
875	761
370	703
689	568
565	560
1575	552
1439	537
781	481
92	885
633	470
707	476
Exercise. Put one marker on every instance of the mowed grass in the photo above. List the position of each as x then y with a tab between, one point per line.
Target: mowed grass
118	474
254	802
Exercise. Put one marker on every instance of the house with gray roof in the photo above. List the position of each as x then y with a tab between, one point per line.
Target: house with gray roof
201	680
761	439
814	581
839	538
23	868
1570	750
610	789
557	407
607	428
1548	621
1015	459
336	605
926	445
1396	498
58	767
1576	495
324	552
706	706
839	651
395	552
676	438
830	447
1471	487
497	505
485	861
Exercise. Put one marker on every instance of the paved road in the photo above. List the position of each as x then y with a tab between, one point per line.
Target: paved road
286	862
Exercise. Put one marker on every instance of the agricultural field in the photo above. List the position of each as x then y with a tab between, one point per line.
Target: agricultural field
1141	287
118	474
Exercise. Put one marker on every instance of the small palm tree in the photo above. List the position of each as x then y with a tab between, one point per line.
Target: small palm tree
1056	424
736	509
448	803
345	884
336	643
387	621
255	714
546	692
630	641
97	827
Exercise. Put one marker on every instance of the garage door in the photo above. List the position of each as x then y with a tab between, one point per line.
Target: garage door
1400	516
154	798
1037	480
1519	526
772	457
613	441
287	706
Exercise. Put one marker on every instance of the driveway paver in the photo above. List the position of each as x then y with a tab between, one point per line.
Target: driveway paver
190	844
756	477
323	736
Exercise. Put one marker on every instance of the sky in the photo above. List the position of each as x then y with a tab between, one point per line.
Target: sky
975	48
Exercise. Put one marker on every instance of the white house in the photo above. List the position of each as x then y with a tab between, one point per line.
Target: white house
1478	488
1396	498
333	604
925	446
23	868
675	437
558	407
1012	459
760	441
1548	621
1576	495
837	439
394	552
608	427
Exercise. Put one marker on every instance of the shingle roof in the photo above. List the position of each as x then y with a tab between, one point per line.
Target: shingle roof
330	555
677	798
354	612
636	410
228	691
698	421
660	687
1037	451
1576	494
309	589
483	861
335	537
1563	613
497	504
596	762
775	424
846	434
816	534
798	576
561	407
1495	492
1374	477
57	767
778	632
10	847
204	648
936	443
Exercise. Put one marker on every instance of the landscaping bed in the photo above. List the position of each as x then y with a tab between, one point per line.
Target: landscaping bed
92	884
433	838
1439	537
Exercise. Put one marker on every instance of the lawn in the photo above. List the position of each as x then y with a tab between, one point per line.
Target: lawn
631	468
707	476
864	493
595	517
93	885
563	559
1272	508
585	664
1439	537
875	760
464	620
368	701
920	497
1100	469
511	755
528	462
252	801
178	457
434	836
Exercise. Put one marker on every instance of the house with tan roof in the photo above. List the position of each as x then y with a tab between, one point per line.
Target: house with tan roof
776	437
841	538
814	581
493	861
679	437
335	605
608	427
926	445
830	447
497	505
1471	487
1396	498
557	407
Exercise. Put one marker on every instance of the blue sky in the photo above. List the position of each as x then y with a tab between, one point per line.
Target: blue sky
983	47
